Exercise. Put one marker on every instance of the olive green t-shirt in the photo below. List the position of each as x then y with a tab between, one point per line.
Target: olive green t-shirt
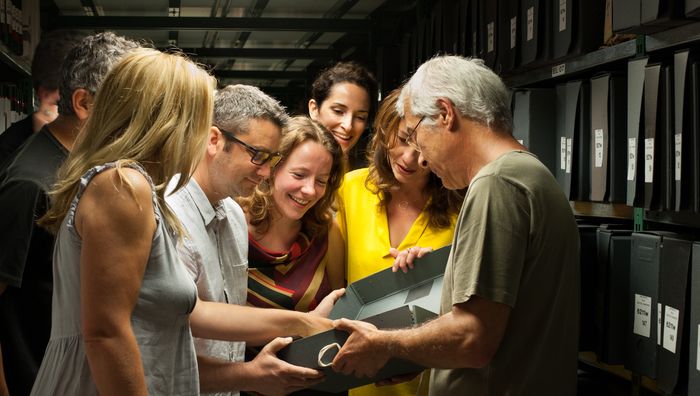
516	243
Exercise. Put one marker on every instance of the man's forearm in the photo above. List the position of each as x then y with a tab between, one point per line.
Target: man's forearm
216	375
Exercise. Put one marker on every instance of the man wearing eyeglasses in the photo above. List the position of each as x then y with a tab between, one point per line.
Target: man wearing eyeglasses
509	307
240	152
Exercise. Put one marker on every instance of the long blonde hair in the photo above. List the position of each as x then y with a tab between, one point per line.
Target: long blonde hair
154	109
317	219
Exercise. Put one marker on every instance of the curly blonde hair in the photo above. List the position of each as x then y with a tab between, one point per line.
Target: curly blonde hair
317	220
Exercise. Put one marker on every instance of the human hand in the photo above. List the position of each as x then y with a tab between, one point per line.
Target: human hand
272	376
363	354
326	305
403	259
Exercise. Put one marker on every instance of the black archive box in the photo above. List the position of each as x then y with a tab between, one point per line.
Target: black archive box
561	152
692	8
574	139
488	31
662	14
508	34
658	135
385	299
626	15
694	344
612	291
608	138
533	124
475	28
674	268
535	30
577	27
588	336
635	112
686	169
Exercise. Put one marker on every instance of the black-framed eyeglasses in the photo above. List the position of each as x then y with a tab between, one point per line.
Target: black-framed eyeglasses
257	156
411	136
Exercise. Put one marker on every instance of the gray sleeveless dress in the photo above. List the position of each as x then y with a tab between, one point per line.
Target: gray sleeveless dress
160	319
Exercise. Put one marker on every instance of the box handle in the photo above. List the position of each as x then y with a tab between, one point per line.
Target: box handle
323	352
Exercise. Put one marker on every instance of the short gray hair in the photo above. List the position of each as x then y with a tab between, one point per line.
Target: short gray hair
474	89
236	105
87	64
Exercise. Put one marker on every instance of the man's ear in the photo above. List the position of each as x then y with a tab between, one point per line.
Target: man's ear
82	101
313	109
216	141
448	116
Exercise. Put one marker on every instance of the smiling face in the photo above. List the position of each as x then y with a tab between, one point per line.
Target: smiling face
404	160
344	112
300	180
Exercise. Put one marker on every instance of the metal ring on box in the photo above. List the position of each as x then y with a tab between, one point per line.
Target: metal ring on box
323	352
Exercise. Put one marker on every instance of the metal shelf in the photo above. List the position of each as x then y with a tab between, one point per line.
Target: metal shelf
567	67
678	36
602	209
17	64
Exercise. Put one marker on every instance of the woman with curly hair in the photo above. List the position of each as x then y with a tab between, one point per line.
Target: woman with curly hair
294	252
395	205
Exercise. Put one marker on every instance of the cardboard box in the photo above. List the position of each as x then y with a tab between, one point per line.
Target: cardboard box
387	300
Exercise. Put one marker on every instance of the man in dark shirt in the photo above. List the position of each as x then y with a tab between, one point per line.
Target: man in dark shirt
46	70
26	275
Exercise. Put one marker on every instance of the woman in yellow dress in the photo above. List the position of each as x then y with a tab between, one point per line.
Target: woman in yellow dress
393	205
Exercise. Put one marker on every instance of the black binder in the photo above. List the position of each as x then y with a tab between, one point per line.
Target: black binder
533	125
635	111
577	27
535	31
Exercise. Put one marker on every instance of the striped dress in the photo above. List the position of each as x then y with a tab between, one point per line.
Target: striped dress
293	280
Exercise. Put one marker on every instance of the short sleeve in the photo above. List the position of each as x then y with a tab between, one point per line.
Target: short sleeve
19	201
490	242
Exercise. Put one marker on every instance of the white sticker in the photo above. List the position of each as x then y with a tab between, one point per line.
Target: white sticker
598	142
513	31
559	70
489	37
562	151
562	15
671	329
659	323
649	160
569	153
521	141
642	315
631	159
679	151
530	23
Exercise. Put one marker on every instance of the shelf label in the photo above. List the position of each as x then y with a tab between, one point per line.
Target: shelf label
559	70
513	31
562	152
598	142
632	158
562	15
569	153
679	152
530	23
659	323
642	315
649	160
489	36
671	329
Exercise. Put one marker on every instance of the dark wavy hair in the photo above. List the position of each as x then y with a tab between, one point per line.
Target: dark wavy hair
443	204
317	220
341	72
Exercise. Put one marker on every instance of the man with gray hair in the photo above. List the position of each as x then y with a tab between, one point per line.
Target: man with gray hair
509	308
26	277
240	152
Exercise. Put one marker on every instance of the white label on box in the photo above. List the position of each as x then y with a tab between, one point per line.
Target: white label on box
562	151
642	315
489	37
659	323
513	31
679	151
631	158
559	70
562	15
530	23
670	329
598	142
521	141
569	153
649	160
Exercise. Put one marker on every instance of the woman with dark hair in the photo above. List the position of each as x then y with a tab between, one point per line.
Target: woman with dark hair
342	99
394	205
293	257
